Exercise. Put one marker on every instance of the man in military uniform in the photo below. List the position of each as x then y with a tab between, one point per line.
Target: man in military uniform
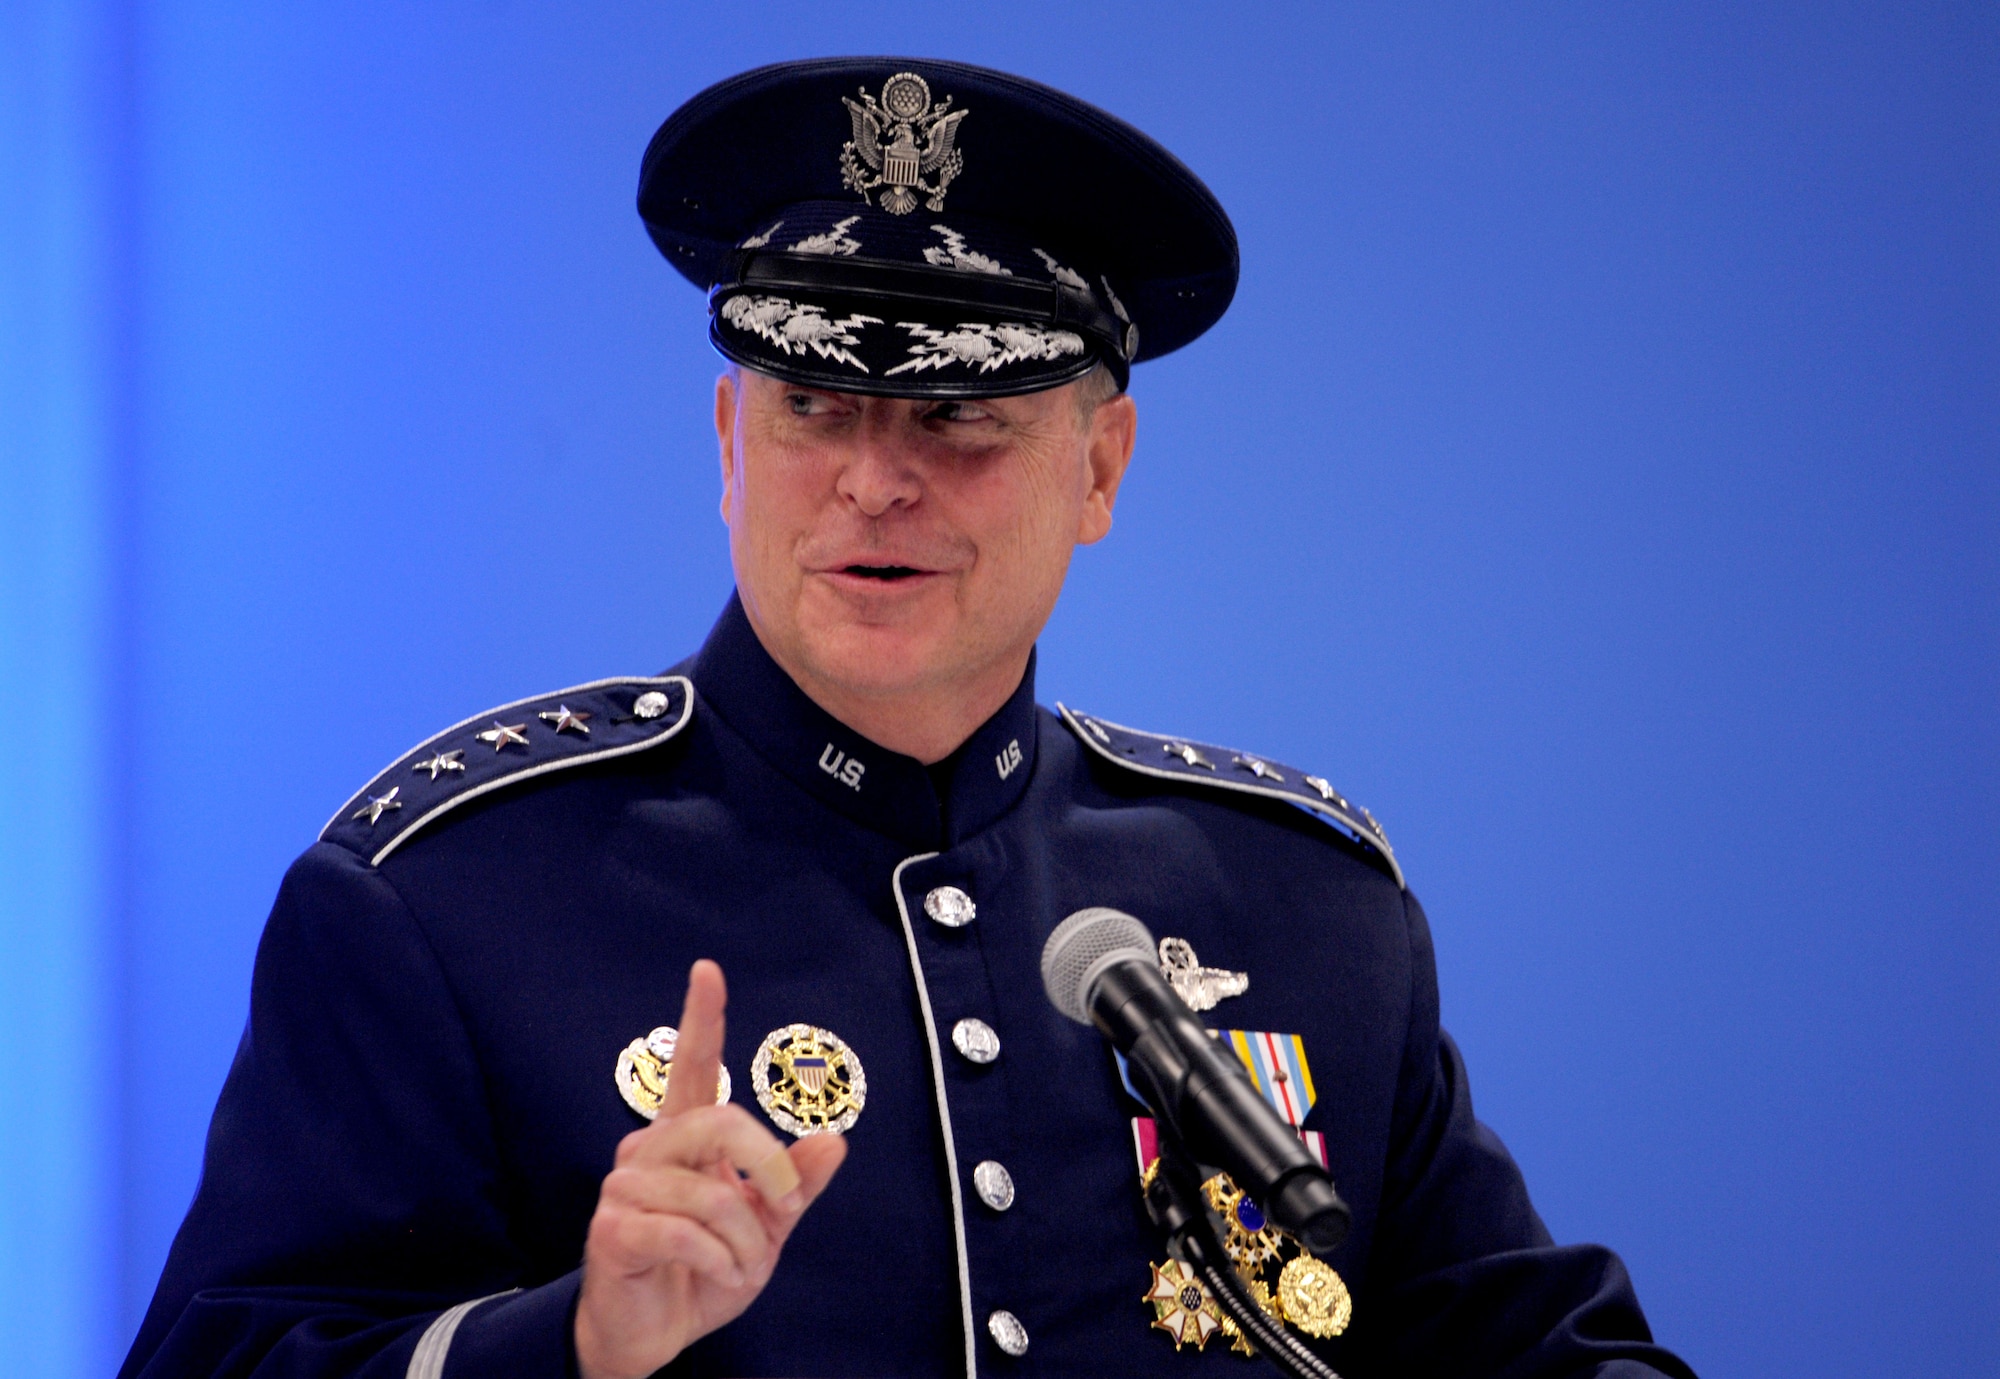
460	1137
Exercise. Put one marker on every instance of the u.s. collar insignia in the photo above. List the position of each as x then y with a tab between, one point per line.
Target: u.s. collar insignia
884	154
1201	987
808	1081
644	1065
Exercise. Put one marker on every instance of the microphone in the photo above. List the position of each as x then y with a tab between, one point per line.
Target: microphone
1099	968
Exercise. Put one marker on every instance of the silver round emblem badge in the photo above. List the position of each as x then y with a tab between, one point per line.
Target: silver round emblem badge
651	704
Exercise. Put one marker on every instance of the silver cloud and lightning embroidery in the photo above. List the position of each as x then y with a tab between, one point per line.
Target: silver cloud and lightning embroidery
984	347
955	253
796	327
833	241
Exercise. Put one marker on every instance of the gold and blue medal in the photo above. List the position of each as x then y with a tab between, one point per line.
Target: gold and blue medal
809	1081
1307	1293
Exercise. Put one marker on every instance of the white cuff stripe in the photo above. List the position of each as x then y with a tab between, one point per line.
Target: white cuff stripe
427	1361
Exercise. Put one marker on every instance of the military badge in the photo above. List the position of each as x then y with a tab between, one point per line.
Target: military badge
808	1081
1201	987
1307	1293
1313	1298
644	1065
1250	1240
1182	1305
884	155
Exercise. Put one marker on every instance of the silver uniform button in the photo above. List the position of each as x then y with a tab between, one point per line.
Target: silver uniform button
651	704
950	906
994	1184
975	1040
1007	1332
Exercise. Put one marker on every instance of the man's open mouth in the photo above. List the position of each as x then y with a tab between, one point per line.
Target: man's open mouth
884	572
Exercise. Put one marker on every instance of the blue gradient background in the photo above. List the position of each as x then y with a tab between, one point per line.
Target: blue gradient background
1596	476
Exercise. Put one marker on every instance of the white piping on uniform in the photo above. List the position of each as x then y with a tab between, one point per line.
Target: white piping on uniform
1354	826
944	1117
427	1360
557	764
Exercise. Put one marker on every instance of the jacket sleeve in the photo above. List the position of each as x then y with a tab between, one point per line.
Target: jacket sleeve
1467	1280
349	1219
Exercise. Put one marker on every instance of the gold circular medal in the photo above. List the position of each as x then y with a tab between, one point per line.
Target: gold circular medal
808	1081
1314	1298
644	1065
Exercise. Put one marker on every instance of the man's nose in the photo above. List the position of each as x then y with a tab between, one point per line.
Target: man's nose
881	473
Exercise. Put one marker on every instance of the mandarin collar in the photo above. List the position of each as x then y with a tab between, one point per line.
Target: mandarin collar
883	790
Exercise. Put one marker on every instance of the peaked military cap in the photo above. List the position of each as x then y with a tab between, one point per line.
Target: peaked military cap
918	228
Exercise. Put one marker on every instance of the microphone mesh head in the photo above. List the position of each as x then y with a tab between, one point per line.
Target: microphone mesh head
1079	949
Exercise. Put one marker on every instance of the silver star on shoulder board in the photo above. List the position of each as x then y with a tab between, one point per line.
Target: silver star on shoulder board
500	734
566	717
378	805
1326	791
1261	769
1187	754
443	761
1380	832
1201	987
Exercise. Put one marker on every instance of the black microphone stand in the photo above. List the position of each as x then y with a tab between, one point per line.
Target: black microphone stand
1175	1200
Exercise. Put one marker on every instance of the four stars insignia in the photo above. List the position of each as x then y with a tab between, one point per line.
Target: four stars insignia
502	735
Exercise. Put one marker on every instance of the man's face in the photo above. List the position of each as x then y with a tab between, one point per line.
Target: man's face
889	547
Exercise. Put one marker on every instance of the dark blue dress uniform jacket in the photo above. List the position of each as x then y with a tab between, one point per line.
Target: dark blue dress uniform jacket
423	1105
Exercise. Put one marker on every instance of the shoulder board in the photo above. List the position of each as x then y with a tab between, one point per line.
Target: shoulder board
1200	763
514	742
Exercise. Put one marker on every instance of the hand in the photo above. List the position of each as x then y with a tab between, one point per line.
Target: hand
691	1219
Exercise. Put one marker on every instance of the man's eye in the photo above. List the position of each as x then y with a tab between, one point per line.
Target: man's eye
800	403
959	411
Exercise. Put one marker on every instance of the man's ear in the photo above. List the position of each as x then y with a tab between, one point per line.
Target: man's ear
726	398
1114	428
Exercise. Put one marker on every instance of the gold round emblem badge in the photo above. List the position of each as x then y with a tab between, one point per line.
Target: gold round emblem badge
808	1081
644	1065
1314	1298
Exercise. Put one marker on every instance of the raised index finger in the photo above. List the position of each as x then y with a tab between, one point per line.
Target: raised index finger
698	1053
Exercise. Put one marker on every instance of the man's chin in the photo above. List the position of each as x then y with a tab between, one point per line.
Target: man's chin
876	659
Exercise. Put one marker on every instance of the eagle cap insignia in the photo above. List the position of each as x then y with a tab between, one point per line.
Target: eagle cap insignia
899	140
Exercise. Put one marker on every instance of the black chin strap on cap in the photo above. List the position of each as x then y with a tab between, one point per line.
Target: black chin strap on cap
885	285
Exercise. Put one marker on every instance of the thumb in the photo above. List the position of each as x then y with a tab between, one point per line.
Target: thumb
816	1158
